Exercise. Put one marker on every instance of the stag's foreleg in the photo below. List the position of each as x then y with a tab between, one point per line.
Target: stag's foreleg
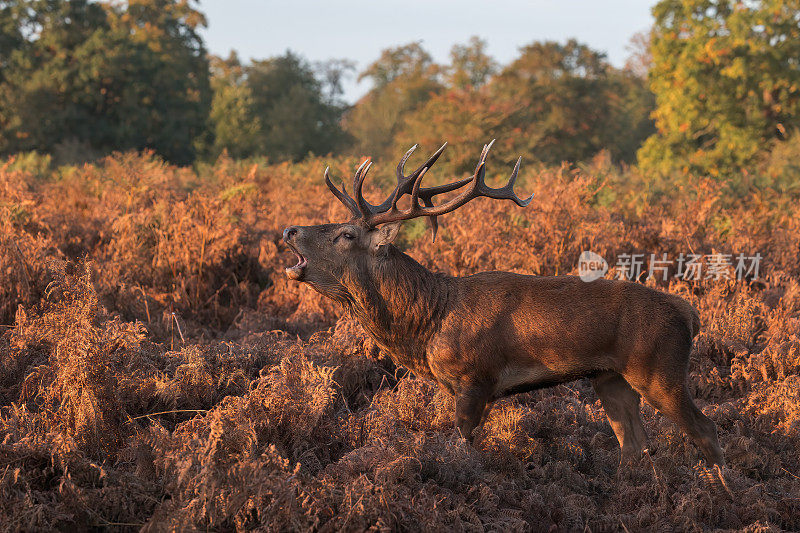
471	408
621	404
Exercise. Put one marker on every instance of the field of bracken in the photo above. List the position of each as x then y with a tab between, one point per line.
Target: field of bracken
159	372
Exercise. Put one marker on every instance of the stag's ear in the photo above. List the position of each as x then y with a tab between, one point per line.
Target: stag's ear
383	235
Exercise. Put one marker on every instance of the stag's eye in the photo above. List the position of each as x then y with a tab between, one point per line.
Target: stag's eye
345	235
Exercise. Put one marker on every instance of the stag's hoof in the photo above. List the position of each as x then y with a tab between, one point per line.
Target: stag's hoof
469	439
632	458
635	466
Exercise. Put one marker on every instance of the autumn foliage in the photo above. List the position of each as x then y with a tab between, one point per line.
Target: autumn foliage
158	371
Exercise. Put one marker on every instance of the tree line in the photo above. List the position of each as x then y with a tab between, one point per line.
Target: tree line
712	88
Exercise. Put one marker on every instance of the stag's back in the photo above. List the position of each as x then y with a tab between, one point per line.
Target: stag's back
557	328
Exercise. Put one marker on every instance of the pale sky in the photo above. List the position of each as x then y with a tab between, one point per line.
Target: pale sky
360	29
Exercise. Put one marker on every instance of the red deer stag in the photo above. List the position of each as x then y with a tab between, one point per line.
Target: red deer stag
493	334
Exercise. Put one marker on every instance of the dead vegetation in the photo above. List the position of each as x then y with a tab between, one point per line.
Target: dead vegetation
158	372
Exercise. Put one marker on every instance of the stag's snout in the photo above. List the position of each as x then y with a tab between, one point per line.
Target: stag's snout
290	232
290	236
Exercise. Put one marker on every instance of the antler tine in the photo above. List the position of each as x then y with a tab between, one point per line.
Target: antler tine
402	183
485	152
431	160
364	207
506	192
427	194
387	211
402	164
357	175
415	191
426	165
432	219
510	185
478	189
342	195
406	183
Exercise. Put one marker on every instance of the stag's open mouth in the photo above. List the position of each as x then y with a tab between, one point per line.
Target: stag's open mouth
296	272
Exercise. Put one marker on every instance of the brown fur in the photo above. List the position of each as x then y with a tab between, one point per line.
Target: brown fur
492	334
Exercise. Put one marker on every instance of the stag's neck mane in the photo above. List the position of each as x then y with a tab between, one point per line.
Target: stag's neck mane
401	304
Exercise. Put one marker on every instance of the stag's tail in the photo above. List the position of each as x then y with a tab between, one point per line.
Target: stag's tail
690	316
695	321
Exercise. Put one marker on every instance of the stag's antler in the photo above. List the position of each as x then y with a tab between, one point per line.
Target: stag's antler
387	211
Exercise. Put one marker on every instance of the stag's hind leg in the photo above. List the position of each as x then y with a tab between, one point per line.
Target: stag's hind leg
676	403
668	392
621	404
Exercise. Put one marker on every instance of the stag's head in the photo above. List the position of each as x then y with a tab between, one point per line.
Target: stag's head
330	254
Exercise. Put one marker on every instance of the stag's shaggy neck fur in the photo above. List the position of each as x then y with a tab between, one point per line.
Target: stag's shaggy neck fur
400	303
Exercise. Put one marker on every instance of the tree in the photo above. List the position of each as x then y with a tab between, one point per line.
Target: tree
11	37
407	61
639	60
104	75
234	126
39	39
571	103
727	82
470	65
296	117
464	112
630	121
332	73
555	102
403	78
466	119
277	107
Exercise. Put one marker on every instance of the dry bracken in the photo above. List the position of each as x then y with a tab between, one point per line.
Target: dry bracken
158	373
